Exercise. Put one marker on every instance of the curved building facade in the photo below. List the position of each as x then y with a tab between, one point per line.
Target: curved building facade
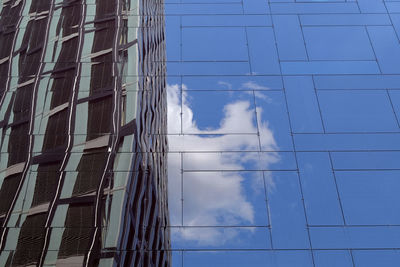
82	114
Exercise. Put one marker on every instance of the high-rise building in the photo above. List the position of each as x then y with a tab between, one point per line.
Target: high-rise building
284	132
82	117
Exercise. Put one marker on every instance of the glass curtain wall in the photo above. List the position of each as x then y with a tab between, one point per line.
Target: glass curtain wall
283	127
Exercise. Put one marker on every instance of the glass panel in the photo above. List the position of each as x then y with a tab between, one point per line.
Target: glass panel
229	44
224	199
357	111
373	258
345	43
333	258
364	193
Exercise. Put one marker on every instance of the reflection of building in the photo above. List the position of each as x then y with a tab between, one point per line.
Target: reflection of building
82	172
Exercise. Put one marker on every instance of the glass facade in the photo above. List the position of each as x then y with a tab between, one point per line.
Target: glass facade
82	140
283	127
283	133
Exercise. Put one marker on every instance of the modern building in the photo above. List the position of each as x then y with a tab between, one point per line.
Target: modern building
82	115
287	150
283	133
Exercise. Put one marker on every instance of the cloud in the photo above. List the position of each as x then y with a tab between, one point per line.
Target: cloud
256	89
228	85
254	86
216	198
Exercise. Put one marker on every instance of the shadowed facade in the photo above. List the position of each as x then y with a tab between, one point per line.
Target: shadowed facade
83	150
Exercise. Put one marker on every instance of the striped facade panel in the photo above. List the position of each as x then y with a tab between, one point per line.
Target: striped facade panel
83	178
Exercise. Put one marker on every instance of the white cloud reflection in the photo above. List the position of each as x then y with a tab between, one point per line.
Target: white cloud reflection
256	90
218	198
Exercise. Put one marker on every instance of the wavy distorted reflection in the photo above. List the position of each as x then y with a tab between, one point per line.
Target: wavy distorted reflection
221	197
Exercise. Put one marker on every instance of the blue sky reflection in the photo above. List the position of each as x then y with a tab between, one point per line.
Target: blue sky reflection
284	132
227	196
